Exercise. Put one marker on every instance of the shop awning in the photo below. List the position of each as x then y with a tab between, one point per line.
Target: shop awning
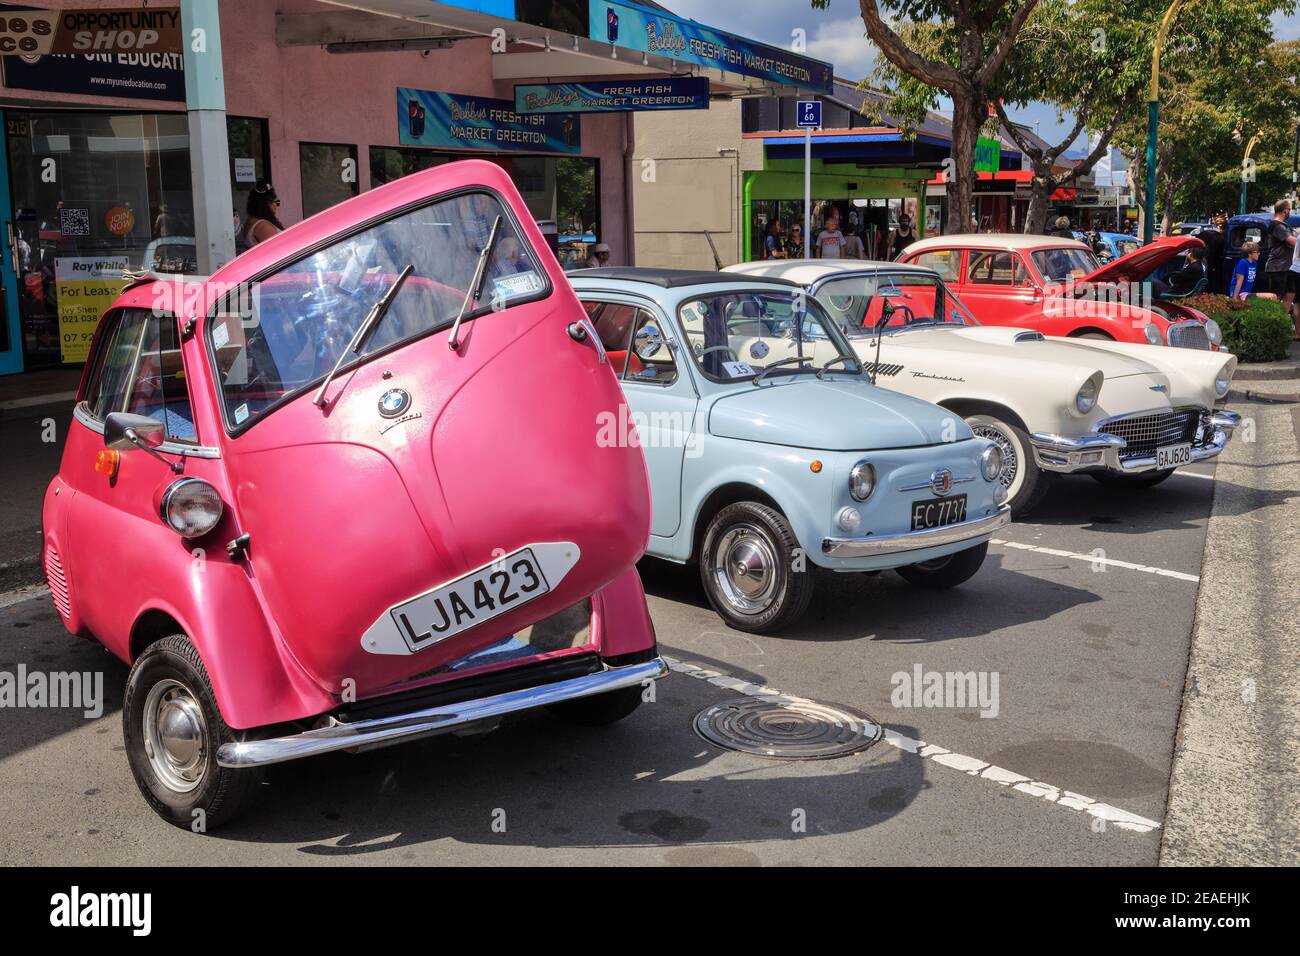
1015	177
566	39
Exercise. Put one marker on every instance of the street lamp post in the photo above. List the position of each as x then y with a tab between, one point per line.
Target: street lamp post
1153	123
1245	166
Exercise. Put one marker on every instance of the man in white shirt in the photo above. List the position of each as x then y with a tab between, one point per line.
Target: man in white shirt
830	241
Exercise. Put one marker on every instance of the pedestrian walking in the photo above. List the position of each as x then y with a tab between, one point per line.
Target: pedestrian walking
830	241
599	256
1295	292
903	237
853	247
262	220
773	244
1279	251
1061	228
794	245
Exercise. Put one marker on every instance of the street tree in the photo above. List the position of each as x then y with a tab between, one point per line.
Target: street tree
978	37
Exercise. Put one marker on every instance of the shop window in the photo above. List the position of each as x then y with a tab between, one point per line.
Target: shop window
393	162
250	159
329	175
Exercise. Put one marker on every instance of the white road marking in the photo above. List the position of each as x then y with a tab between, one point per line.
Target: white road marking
971	766
1097	559
10	598
1193	474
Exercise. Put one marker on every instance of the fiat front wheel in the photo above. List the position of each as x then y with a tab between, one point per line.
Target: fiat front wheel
752	569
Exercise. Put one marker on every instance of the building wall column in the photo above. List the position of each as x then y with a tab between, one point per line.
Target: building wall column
205	101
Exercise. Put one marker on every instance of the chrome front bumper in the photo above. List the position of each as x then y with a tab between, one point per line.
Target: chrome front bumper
1096	451
433	720
882	544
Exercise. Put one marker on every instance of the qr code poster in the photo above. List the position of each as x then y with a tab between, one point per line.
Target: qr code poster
74	222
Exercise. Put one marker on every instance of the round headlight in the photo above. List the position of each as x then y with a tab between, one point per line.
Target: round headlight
1087	395
1214	332
862	481
1222	382
849	519
991	462
191	507
1153	334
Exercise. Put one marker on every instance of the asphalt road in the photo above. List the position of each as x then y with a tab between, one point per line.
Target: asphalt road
1090	657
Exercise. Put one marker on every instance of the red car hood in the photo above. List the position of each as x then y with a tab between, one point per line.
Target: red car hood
1140	263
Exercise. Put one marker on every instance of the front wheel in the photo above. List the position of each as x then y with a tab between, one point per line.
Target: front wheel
752	569
1145	479
1025	482
946	572
172	729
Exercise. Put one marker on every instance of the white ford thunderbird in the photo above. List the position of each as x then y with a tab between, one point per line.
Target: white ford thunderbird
1126	414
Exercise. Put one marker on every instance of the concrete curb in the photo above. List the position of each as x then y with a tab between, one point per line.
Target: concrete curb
1271	398
1234	788
1268	373
21	572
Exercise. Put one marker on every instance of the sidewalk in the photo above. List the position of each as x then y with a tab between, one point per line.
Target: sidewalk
1234	793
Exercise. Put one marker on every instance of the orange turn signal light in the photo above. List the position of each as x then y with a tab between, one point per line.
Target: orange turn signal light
816	466
106	462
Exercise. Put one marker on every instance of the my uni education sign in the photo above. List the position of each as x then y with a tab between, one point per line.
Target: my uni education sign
455	121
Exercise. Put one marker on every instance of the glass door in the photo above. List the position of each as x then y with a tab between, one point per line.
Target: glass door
11	340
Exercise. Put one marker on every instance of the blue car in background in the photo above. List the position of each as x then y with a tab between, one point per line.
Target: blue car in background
770	451
1114	244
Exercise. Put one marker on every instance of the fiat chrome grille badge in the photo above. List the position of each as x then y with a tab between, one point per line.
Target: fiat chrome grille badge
941	481
394	402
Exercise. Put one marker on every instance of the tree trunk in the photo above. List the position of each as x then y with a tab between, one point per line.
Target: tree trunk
967	119
1040	199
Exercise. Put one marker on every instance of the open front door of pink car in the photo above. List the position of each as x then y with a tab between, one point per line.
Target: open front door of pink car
411	401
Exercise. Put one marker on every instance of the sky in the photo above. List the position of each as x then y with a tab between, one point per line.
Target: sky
837	35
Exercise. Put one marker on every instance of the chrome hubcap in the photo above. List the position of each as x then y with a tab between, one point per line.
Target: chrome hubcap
1010	474
174	735
747	569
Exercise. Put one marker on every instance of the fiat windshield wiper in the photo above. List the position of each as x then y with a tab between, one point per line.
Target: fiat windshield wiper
475	287
364	331
788	361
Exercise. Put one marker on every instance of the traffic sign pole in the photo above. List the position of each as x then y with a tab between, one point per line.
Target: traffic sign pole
809	116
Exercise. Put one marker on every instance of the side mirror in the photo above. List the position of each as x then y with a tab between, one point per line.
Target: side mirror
648	341
123	431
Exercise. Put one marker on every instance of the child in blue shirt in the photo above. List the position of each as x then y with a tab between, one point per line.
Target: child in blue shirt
1243	276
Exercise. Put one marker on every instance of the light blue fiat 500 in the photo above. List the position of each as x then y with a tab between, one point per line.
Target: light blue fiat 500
763	469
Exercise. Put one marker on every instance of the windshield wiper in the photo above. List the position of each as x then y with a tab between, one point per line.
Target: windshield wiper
475	287
364	331
798	358
836	361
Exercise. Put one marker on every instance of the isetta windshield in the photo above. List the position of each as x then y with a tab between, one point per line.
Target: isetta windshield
287	330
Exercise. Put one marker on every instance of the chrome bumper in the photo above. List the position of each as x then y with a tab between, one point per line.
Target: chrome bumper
434	720
1096	451
876	545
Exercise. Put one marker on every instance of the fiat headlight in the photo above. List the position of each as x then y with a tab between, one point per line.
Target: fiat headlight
991	462
850	519
1153	334
1086	397
1214	332
862	481
191	507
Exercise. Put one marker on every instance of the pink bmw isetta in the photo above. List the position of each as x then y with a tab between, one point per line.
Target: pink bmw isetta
347	492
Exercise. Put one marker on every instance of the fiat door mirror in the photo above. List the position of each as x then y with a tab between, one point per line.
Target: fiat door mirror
648	341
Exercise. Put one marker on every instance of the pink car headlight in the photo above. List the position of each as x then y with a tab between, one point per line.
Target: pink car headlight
191	507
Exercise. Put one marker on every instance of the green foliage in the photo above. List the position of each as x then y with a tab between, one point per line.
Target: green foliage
1256	330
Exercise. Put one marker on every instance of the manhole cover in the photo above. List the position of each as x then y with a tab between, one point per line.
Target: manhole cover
787	728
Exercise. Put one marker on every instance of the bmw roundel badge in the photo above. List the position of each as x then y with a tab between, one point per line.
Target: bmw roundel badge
394	402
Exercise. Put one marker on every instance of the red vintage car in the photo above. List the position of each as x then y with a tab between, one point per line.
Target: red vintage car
347	492
1058	287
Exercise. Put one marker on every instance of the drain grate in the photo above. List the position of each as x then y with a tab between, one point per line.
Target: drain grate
787	728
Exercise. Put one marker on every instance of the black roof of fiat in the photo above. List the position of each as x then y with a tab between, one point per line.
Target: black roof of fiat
677	278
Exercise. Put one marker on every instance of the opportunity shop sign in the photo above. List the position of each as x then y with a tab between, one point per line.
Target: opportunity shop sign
451	120
662	34
614	96
42	32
